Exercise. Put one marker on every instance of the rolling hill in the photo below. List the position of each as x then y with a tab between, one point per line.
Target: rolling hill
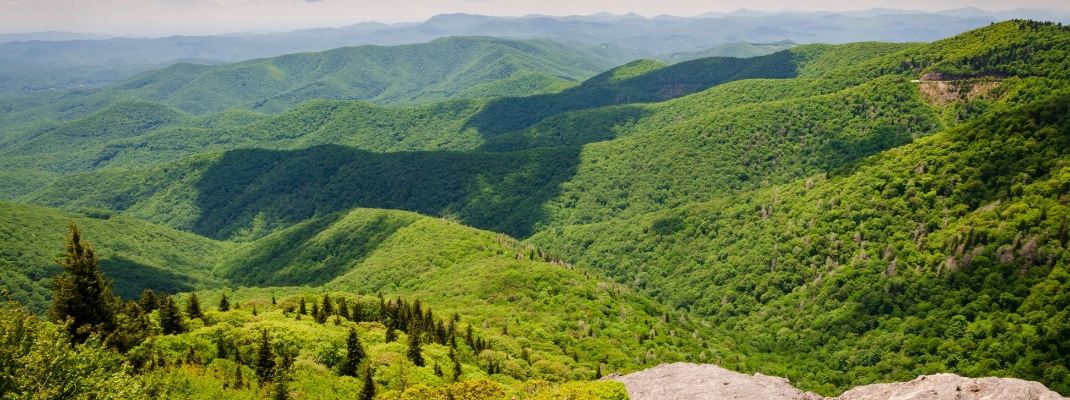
137	255
536	317
839	215
456	67
947	250
134	134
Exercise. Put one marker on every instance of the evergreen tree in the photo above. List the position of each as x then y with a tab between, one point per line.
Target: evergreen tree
391	334
133	327
438	370
415	347
273	299
301	310
317	313
265	360
193	307
368	392
171	319
343	308
224	305
457	372
358	312
468	337
328	305
148	302
354	355
254	310
281	391
81	293
239	381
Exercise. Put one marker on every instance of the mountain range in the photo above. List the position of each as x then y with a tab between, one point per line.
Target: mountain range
839	214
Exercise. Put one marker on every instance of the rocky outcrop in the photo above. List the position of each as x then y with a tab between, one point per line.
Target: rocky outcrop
710	382
706	382
953	387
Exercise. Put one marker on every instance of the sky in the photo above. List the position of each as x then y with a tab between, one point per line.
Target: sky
200	17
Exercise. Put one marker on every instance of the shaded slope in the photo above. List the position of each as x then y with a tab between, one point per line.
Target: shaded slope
646	81
943	255
454	125
135	254
253	192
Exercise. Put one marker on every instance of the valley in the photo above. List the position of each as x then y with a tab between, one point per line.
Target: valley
839	215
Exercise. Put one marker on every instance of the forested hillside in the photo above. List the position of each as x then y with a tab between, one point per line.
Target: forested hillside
457	67
136	254
535	319
135	134
508	192
838	215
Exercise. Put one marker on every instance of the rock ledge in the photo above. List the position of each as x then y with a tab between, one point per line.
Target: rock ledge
710	382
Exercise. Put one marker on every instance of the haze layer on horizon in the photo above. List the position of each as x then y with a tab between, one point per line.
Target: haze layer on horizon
207	17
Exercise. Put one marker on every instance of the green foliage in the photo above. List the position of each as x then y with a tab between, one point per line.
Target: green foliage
134	254
15	183
193	307
937	256
224	304
840	225
38	360
355	355
171	319
81	298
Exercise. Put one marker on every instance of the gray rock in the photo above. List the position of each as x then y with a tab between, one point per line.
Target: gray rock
706	382
710	382
953	387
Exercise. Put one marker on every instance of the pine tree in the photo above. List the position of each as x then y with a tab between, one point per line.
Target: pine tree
171	319
224	305
438	370
354	355
368	392
343	308
281	391
457	372
328	305
415	347
265	360
391	334
301	310
239	382
148	302
193	307
358	312
273	299
133	326
254	310
81	293
317	313
468	337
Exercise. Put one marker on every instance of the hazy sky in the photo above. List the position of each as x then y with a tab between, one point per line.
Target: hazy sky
197	17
